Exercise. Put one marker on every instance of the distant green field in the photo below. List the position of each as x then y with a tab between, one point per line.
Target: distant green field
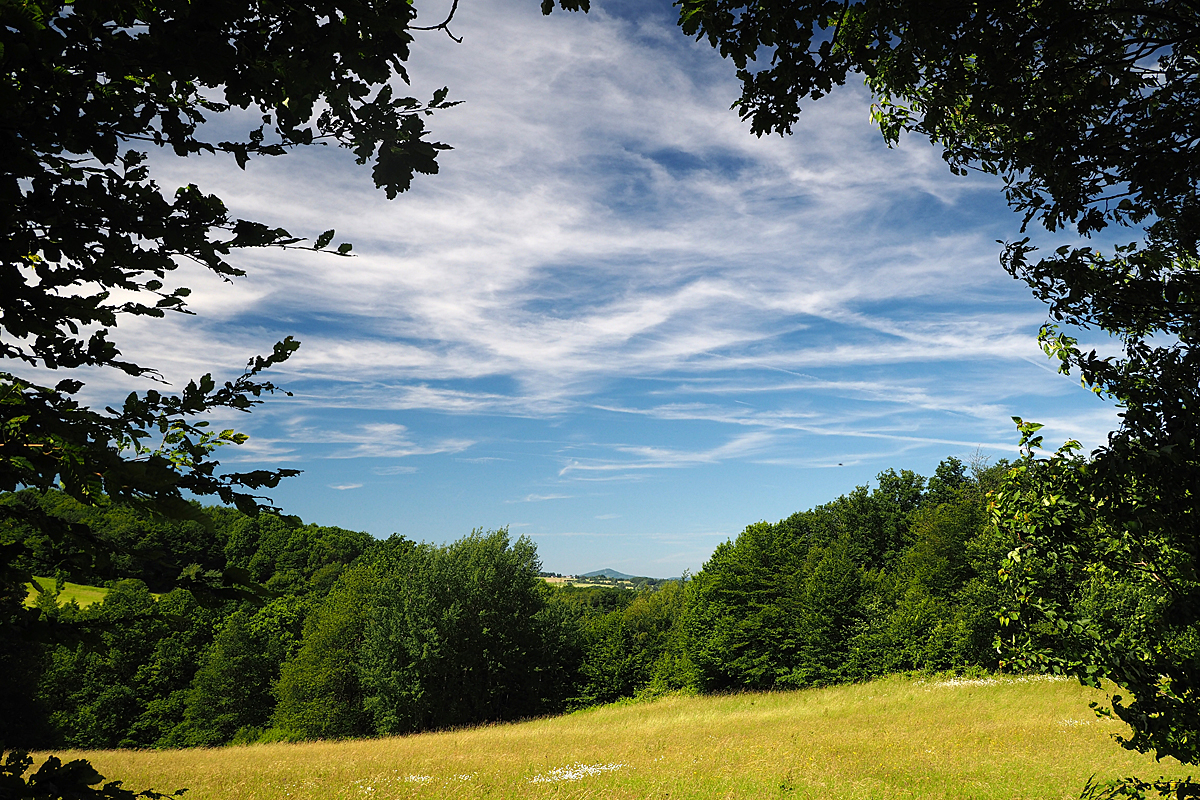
587	583
894	738
81	594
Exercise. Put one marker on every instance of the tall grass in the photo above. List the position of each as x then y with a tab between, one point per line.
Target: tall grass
1008	738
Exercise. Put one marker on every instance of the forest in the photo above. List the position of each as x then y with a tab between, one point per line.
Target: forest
354	636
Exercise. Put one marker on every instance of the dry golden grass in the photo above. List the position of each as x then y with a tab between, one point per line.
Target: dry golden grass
888	739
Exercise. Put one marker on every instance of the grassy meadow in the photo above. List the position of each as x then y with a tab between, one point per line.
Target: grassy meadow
78	592
1007	738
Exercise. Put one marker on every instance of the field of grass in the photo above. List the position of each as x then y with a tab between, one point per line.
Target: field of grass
587	583
888	739
83	595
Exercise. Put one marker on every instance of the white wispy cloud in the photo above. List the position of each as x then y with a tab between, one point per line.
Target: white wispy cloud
370	440
611	281
604	215
394	470
538	498
641	457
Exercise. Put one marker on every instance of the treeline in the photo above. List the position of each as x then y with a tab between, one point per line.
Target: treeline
365	637
903	577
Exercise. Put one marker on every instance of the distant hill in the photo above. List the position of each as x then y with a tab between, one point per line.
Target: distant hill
610	573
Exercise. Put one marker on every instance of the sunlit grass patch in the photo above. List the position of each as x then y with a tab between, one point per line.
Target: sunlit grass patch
77	592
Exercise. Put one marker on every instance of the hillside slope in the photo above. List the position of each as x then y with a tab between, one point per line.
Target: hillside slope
609	573
1007	739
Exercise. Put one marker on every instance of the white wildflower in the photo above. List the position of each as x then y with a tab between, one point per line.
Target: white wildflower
574	772
958	682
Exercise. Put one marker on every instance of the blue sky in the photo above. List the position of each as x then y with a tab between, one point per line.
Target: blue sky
617	322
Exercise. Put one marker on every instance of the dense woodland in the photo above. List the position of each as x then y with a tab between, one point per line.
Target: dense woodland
354	636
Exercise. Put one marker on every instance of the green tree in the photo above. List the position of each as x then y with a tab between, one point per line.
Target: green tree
139	544
319	693
938	560
90	238
457	635
231	696
876	581
637	650
127	689
829	612
199	673
741	621
284	555
880	517
1086	110
936	610
1103	584
415	637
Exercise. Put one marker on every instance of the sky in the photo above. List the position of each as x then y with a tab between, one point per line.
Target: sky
616	322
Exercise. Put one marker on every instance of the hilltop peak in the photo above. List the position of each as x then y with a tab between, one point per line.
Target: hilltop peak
609	573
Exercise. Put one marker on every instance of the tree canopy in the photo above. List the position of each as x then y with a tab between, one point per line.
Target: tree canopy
88	88
372	637
1087	111
1086	108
